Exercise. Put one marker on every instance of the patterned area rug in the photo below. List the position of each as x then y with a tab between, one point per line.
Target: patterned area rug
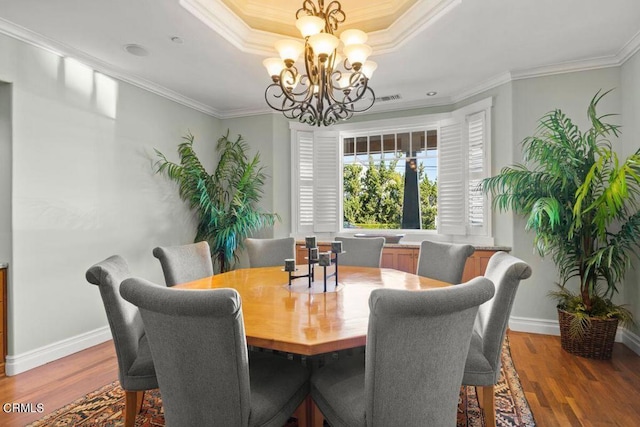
103	407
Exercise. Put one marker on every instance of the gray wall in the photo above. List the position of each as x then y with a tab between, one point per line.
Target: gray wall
532	98
83	187
630	93
5	172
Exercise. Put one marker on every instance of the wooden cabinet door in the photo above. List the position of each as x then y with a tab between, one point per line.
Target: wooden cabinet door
403	259
476	265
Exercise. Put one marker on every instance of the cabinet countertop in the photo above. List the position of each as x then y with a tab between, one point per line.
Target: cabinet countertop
3	264
416	245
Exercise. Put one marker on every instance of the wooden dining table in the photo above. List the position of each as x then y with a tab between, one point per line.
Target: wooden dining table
289	319
296	319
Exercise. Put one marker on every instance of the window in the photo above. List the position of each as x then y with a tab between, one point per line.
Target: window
390	179
449	151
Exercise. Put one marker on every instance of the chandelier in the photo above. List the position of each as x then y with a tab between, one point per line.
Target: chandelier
331	89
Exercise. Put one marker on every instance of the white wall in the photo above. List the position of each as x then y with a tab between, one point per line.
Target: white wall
83	188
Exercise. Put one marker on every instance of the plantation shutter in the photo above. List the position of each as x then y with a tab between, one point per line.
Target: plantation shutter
477	164
303	168
327	182
316	178
451	179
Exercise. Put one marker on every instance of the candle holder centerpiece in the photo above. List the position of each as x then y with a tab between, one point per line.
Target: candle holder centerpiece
322	259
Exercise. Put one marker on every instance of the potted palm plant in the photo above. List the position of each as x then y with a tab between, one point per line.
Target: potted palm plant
580	200
226	200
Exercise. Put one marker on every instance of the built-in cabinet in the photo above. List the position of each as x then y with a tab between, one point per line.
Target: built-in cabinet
3	319
405	258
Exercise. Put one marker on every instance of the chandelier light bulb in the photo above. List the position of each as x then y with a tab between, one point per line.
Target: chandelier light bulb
323	43
353	36
289	50
274	66
310	25
357	54
368	68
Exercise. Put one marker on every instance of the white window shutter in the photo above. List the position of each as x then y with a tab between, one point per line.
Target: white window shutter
303	174
327	180
477	164
451	178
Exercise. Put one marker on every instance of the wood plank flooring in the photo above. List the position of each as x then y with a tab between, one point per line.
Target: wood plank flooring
565	390
562	390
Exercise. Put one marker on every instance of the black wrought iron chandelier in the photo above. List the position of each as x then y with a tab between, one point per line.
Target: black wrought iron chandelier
331	89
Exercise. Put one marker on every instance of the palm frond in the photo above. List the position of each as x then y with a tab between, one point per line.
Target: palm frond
574	191
225	201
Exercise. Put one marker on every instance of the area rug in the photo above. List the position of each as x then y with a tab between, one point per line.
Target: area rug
103	407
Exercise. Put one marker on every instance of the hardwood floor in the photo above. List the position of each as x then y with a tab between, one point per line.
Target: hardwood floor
562	390
58	383
565	390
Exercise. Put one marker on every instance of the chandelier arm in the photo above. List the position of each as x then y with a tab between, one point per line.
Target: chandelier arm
334	15
309	8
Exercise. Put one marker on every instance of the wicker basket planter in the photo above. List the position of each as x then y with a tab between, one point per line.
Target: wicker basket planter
597	342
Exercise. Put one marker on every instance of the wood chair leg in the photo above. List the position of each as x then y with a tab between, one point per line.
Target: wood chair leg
301	413
488	405
479	394
314	416
132	405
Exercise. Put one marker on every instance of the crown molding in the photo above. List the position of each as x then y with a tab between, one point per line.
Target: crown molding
62	50
27	36
217	16
220	18
415	20
482	87
567	67
629	49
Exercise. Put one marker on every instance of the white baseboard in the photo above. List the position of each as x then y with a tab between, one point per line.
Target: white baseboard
534	326
18	363
552	327
631	340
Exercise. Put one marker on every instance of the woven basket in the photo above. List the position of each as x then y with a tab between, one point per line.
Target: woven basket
597	342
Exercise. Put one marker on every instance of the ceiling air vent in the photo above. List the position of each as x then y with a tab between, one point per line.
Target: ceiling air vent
388	98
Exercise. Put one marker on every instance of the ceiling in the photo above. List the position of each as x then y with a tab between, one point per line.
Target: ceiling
454	47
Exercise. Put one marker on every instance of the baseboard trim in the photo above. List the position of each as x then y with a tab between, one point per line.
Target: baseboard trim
631	340
552	327
19	363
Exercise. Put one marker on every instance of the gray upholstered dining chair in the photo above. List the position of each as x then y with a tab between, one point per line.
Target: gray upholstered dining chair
184	263
482	368
416	348
443	261
136	371
270	252
199	347
362	252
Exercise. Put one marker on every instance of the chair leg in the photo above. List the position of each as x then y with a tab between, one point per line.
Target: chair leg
488	404
132	405
314	416
302	414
